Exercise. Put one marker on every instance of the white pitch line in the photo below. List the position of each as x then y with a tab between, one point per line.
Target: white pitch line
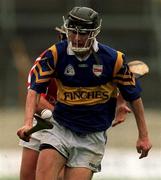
116	163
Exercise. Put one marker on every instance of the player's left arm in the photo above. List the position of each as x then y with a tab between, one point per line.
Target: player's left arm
143	143
131	92
121	76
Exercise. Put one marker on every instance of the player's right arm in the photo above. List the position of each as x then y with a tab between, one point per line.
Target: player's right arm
38	80
30	108
44	104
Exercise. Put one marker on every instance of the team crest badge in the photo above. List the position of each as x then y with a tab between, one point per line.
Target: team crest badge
69	70
97	69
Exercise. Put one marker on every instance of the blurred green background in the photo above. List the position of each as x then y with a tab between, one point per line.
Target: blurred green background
27	28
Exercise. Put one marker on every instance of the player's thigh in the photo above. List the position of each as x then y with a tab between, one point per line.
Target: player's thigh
61	174
78	173
28	162
50	163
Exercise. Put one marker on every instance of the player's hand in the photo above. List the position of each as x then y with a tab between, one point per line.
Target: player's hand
21	133
143	146
121	113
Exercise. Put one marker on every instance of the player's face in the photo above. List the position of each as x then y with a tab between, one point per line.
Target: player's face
80	41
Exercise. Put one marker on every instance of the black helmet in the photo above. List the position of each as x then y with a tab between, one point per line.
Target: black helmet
83	18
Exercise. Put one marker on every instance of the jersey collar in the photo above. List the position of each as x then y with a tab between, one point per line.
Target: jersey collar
70	52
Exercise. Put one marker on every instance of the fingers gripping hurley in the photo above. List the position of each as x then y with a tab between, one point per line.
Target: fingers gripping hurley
138	68
42	123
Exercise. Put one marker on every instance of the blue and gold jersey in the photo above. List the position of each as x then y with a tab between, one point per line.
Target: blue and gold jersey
87	90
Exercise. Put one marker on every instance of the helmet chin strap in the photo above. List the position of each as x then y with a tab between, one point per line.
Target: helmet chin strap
82	52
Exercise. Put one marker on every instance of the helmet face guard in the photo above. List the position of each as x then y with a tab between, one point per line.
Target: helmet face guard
82	21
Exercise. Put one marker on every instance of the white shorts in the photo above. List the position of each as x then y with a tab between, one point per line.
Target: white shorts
80	151
35	140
